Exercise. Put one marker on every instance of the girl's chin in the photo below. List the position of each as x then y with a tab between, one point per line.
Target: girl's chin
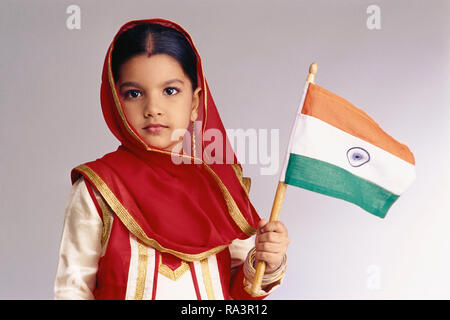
169	146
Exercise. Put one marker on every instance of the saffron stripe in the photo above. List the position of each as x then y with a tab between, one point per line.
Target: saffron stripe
340	113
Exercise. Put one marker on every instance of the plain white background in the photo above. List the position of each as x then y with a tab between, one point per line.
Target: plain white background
256	56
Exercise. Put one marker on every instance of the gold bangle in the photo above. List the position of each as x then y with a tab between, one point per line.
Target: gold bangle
268	278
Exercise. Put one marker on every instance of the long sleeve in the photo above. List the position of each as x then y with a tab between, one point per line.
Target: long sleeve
80	247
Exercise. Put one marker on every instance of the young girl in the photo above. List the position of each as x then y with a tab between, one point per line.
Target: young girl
141	225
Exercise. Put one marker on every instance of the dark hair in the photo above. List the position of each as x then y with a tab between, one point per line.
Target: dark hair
162	39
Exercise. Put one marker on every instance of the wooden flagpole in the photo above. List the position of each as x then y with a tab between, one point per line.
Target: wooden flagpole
276	206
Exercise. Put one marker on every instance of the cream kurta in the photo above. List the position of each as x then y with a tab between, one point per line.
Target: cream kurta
81	249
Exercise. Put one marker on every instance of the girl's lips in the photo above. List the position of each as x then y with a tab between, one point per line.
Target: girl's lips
154	128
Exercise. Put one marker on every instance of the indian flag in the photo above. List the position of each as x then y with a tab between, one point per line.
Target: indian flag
338	150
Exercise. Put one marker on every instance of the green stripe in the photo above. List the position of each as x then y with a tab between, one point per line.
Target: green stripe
323	177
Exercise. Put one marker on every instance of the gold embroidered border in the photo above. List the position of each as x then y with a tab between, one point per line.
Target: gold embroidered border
117	101
205	102
233	209
207	279
107	219
172	274
245	181
142	271
129	222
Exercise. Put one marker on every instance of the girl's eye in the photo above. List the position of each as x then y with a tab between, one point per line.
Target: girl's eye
132	94
171	91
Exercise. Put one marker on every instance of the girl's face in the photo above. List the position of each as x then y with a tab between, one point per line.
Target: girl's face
155	91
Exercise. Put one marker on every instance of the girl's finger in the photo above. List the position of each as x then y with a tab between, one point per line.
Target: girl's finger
270	237
269	247
274	226
268	257
261	224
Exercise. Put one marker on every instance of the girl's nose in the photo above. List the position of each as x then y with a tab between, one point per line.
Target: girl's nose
149	113
151	109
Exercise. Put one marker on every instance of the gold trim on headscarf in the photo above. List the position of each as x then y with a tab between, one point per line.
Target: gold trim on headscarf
131	224
233	209
117	101
245	181
107	219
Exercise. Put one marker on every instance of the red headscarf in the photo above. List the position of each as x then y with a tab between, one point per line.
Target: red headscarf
190	210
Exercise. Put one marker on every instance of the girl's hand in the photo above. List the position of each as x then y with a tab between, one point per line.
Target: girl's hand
271	243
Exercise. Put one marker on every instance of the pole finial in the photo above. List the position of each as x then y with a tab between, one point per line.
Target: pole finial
312	72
